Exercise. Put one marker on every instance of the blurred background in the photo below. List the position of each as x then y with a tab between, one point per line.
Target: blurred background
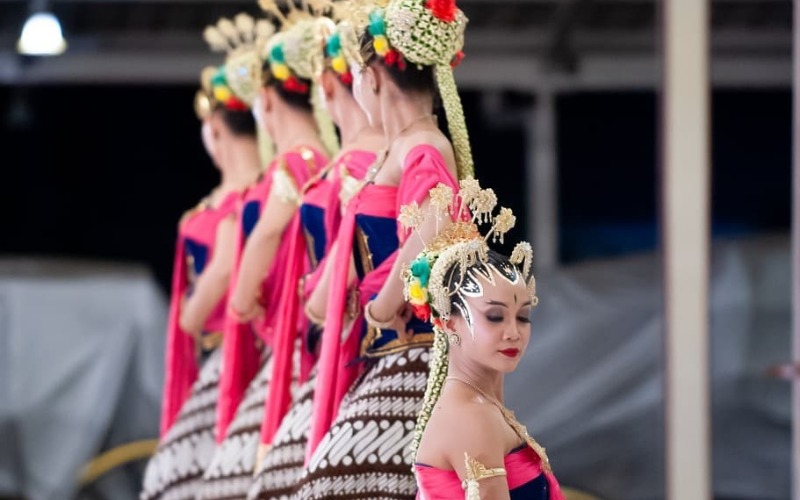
102	153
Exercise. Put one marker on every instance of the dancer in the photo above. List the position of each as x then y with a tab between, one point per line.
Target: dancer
270	263
361	431
480	303
284	437
203	262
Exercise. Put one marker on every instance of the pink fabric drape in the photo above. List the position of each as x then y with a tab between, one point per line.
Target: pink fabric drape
423	169
324	193
240	357
181	361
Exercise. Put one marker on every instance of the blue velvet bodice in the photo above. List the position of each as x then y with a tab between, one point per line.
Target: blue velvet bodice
196	257
313	220
250	213
376	240
535	489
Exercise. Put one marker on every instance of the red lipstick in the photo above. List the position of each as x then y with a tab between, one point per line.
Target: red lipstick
511	353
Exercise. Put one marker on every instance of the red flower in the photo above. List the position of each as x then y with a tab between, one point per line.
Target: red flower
438	323
235	104
457	59
292	84
346	78
391	57
444	10
422	312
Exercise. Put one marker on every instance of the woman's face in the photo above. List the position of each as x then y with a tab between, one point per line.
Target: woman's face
363	85
498	330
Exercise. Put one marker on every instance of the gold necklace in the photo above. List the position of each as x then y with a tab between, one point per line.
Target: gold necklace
384	153
512	421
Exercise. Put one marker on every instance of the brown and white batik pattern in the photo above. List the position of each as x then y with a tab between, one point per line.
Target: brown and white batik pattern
176	469
282	466
230	473
365	454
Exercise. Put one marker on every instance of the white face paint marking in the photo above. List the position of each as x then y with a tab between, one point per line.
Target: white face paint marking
471	287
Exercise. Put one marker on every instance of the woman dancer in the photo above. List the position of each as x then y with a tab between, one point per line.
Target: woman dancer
480	302
271	264
203	261
361	432
284	437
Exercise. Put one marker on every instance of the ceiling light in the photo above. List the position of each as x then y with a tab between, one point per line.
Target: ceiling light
41	36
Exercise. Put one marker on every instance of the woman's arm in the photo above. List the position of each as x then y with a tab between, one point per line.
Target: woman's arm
212	282
259	253
317	303
389	305
459	430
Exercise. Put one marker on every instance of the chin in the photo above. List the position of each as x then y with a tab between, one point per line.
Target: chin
508	366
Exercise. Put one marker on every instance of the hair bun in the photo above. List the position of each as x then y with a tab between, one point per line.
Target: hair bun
426	32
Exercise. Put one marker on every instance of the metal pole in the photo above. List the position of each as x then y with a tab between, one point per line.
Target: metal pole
542	179
796	259
686	247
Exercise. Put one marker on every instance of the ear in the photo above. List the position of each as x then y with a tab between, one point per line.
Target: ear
328	82
450	324
372	78
215	125
267	98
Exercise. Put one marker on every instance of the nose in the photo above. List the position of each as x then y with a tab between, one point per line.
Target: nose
511	333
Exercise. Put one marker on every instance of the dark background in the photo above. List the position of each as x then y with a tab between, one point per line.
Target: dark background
104	172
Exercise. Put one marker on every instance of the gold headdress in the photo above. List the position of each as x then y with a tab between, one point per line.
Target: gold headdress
452	266
428	33
204	98
293	55
243	40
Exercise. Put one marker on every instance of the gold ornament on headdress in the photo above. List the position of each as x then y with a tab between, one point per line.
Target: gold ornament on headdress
352	17
204	98
298	40
461	243
244	39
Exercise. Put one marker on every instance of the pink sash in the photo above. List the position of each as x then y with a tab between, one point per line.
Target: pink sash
240	355
423	169
324	193
181	361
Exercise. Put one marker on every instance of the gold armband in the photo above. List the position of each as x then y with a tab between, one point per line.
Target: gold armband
477	472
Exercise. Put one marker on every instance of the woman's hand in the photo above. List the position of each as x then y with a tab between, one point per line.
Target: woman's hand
398	322
245	311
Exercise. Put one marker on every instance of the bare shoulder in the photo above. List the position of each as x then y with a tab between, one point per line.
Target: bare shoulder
460	425
431	137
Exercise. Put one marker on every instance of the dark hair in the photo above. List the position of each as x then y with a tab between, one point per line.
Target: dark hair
349	86
412	78
453	276
297	100
240	123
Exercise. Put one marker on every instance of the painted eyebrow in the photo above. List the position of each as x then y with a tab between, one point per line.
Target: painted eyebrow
496	303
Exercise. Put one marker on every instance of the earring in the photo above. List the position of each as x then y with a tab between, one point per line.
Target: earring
453	339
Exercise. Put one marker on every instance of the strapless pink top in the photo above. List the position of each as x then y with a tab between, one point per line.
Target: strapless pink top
526	480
